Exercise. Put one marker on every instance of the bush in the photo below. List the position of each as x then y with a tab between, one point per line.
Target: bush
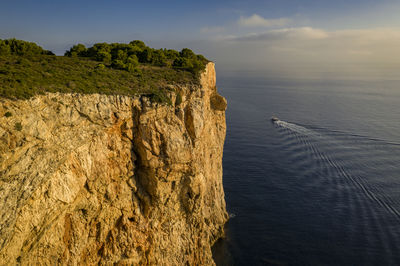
171	54
18	47
139	44
100	66
18	126
118	64
4	48
8	114
187	53
146	55
103	56
138	71
76	50
130	67
182	62
133	60
122	55
160	96
178	99
159	58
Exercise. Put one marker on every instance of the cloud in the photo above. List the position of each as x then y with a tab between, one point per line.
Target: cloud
355	39
302	33
212	29
258	21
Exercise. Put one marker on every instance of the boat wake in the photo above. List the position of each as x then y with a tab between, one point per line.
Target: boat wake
306	150
296	128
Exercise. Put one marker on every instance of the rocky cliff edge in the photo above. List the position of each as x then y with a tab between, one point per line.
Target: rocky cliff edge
98	179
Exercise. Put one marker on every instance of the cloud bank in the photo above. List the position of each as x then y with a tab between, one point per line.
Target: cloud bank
380	43
258	43
307	49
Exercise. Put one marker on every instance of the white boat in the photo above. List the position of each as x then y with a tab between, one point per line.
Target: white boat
274	119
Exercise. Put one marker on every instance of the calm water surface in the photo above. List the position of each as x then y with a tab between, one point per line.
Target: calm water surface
320	187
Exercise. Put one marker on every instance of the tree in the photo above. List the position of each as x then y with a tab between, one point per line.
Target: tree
139	44
122	55
130	67
103	56
23	48
187	53
133	60
76	50
171	54
118	64
202	59
146	55
4	48
133	50
128	56
159	58
197	66
182	62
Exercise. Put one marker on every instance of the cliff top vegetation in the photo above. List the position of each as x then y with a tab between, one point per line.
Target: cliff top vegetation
26	69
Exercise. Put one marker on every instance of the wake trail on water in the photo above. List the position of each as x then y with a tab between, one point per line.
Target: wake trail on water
349	134
310	140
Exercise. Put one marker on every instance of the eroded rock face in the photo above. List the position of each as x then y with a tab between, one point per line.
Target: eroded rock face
96	179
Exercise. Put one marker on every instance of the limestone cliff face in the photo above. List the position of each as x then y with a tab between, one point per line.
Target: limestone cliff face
97	179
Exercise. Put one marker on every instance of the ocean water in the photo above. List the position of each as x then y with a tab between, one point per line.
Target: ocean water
319	187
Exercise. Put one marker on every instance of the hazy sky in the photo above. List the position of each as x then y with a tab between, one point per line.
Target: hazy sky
275	35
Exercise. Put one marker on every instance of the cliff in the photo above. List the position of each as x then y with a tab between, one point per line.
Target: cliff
99	179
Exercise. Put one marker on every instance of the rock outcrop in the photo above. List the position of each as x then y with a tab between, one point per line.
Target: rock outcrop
99	179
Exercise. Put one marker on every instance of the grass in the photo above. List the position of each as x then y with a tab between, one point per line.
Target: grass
22	77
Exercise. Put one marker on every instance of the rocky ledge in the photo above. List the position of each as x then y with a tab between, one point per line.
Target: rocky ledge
98	179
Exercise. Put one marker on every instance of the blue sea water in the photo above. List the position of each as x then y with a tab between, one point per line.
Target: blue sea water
319	187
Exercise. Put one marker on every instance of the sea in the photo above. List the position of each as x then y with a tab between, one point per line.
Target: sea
321	186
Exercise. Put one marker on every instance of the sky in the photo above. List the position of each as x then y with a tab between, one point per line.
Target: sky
274	36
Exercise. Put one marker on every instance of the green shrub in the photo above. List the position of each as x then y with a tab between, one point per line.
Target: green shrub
140	44
178	99
138	71
71	84
122	55
18	47
133	60
159	58
160	96
130	67
23	61
187	53
103	56
4	48
100	66
18	126
118	64
183	62
76	50
8	114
